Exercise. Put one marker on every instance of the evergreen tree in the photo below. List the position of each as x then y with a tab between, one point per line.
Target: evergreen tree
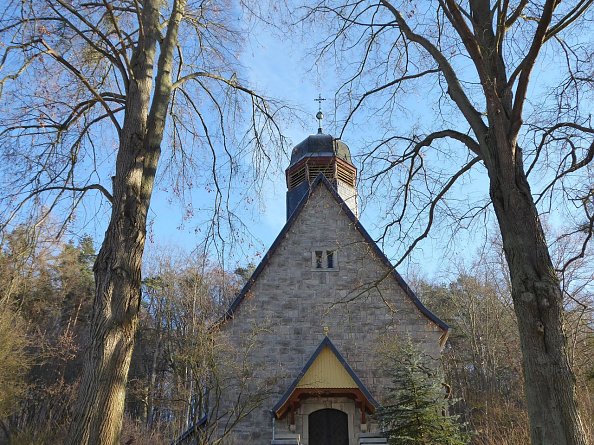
417	408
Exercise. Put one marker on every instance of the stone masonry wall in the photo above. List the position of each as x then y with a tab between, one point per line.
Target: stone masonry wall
291	303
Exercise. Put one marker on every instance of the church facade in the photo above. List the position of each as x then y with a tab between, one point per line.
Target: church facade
313	320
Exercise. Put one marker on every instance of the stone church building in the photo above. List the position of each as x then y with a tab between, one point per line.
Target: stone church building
314	317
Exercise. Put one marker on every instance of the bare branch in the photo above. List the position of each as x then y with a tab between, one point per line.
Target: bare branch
113	56
515	15
369	93
575	13
433	204
85	82
455	89
525	67
552	130
588	228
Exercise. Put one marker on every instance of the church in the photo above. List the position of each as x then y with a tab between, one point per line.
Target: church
311	322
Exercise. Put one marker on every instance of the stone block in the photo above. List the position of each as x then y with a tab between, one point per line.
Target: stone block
290	304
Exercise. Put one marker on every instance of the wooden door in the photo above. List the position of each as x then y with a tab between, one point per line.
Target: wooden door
328	427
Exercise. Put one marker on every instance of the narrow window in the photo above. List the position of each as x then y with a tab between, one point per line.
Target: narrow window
319	259
324	260
330	259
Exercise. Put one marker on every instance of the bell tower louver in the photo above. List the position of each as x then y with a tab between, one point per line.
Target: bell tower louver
321	153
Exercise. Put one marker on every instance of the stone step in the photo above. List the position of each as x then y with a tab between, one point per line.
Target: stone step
287	439
372	440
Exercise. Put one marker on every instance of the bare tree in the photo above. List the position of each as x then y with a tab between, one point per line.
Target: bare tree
451	86
482	359
90	89
184	364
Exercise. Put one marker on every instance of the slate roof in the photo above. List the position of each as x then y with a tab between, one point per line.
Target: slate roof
190	432
343	362
318	182
320	145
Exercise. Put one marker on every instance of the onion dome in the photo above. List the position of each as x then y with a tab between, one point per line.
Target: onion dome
321	153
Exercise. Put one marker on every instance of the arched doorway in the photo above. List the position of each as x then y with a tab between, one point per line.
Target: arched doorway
328	427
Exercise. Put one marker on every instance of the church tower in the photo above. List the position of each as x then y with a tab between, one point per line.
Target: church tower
304	339
321	154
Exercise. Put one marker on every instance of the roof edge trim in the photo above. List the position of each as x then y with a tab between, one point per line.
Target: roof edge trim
325	342
321	179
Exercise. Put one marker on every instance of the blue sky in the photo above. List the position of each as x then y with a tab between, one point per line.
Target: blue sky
262	58
284	68
285	71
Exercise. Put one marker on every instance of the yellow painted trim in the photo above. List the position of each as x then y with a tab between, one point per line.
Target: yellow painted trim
326	372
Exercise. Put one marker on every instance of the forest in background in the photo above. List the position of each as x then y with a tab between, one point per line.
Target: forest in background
97	97
180	364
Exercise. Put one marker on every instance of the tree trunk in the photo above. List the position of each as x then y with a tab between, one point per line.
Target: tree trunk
538	303
153	377
113	326
99	412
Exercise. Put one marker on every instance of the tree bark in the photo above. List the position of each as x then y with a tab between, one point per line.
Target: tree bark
99	412
538	303
536	291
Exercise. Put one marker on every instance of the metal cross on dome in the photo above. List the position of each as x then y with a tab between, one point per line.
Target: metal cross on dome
320	115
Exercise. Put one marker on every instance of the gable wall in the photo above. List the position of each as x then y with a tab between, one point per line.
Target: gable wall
291	303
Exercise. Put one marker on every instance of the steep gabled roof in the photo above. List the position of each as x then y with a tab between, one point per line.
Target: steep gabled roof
322	181
190	433
280	407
